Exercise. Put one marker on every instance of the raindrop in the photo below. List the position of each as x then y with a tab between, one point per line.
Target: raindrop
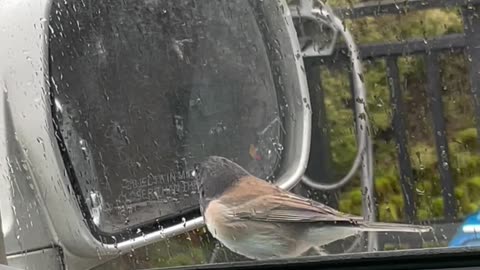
98	253
115	244
83	147
278	146
360	76
24	165
162	232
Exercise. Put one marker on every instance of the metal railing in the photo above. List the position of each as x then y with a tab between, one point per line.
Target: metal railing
430	49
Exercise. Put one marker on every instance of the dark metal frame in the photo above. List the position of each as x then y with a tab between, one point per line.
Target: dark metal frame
467	42
441	259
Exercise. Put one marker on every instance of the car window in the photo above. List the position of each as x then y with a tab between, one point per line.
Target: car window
340	131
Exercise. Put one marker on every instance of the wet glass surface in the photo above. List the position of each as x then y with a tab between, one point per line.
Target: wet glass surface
141	90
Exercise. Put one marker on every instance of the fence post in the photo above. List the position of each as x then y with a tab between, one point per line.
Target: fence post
441	142
471	24
406	175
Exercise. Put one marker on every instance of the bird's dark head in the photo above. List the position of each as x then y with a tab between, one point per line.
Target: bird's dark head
214	175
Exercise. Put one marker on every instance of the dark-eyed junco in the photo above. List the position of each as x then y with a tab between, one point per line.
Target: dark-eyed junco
261	221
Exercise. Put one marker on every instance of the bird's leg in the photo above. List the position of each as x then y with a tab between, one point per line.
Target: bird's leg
215	254
222	254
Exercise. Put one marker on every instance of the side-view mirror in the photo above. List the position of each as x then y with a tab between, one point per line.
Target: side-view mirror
109	103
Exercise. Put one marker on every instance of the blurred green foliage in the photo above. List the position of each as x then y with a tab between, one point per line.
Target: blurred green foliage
458	110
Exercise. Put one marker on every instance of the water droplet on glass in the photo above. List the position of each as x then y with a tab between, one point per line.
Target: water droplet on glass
360	76
162	232
115	244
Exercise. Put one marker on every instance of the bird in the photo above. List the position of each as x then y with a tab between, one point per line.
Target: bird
259	220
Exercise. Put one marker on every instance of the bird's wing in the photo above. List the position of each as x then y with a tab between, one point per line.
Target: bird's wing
286	208
271	203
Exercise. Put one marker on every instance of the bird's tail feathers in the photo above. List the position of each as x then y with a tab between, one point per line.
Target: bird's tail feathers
320	236
393	227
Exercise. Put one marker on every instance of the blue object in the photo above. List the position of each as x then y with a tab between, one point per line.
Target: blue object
468	234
